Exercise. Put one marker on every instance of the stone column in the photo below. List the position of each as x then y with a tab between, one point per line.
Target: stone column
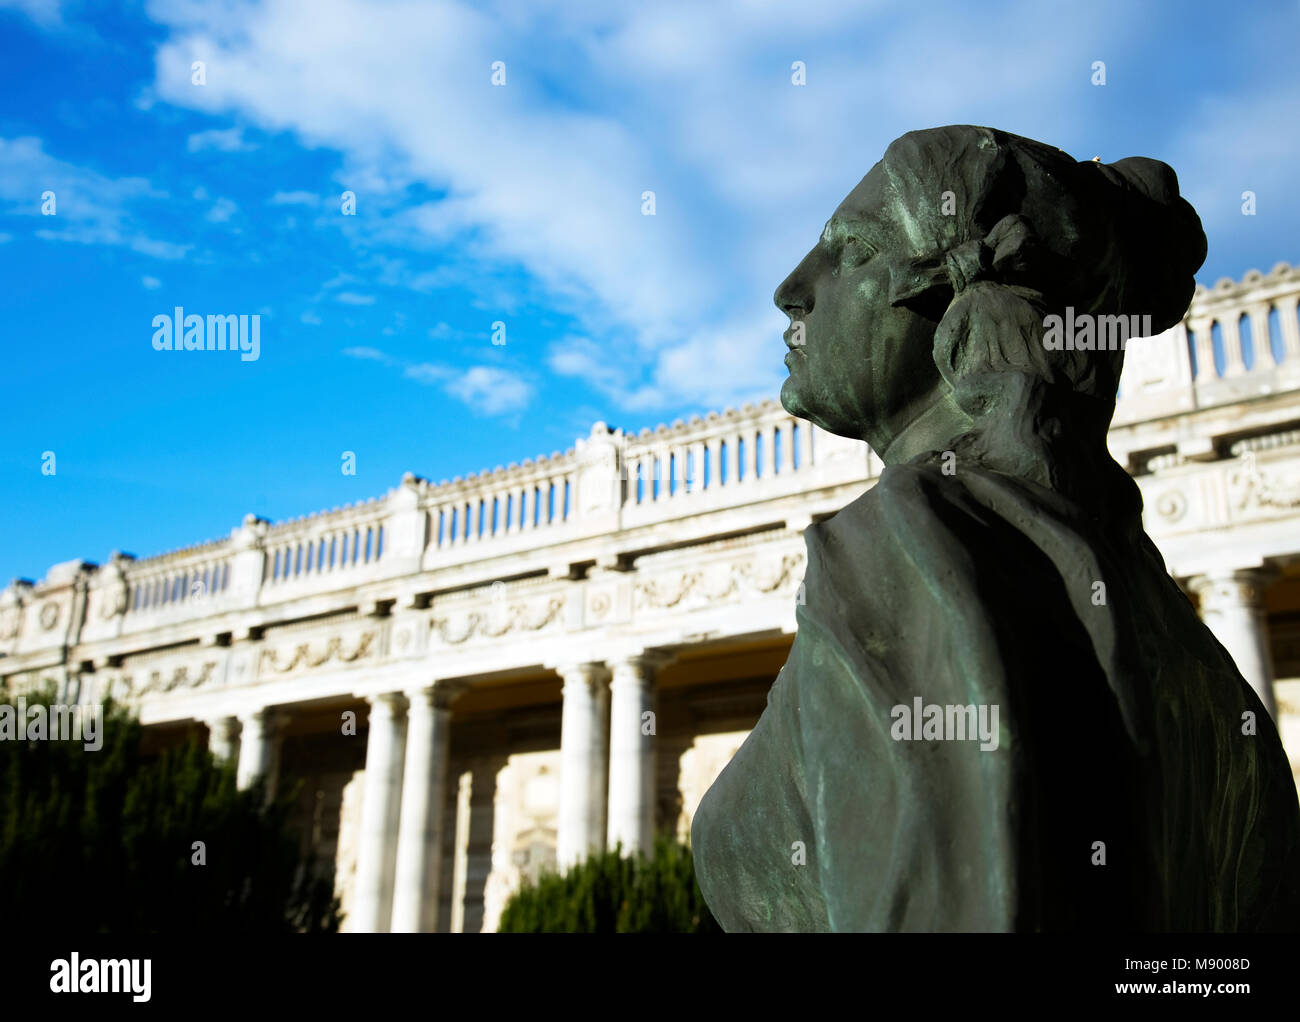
1232	605
582	762
223	737
632	752
424	786
372	906
257	732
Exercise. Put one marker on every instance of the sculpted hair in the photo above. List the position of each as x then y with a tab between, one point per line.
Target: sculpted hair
1035	233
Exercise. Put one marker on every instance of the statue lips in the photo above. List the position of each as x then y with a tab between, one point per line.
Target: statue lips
794	349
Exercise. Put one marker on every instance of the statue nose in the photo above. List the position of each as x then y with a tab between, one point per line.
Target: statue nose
793	304
794	296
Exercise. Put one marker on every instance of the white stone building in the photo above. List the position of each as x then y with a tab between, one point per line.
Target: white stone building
501	638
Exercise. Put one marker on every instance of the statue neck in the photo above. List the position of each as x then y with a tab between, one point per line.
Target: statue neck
936	428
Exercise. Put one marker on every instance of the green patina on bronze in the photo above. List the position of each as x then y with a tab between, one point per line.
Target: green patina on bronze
1000	560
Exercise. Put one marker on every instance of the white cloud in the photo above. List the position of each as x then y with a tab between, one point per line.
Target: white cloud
445	332
373	354
714	367
488	390
226	140
427	372
221	212
150	283
381	76
1234	144
294	199
45	13
692	101
90	209
310	318
352	298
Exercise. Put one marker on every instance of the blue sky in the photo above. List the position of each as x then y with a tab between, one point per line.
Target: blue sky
519	204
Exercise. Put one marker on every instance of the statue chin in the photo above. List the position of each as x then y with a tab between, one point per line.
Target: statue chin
792	401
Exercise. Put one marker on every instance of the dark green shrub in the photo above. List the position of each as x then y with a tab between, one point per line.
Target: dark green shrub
102	842
613	893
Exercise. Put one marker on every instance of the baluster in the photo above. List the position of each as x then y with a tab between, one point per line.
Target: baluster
1286	315
697	466
1259	336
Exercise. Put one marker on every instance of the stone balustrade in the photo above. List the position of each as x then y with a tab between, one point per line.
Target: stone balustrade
1238	340
612	486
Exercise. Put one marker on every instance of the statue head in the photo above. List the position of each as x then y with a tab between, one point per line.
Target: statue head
920	320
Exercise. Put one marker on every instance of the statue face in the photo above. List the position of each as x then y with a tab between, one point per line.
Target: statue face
865	368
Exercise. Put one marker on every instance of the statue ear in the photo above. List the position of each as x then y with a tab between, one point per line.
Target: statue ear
921	285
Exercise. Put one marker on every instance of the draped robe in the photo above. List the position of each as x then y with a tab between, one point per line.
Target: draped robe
1123	794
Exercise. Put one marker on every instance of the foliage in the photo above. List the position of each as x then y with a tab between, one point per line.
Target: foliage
103	841
613	893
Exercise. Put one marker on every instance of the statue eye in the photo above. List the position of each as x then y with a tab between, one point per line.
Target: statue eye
855	251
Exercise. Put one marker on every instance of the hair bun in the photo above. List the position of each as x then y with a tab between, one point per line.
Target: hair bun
1159	237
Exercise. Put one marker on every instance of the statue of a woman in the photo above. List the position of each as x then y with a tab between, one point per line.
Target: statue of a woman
999	712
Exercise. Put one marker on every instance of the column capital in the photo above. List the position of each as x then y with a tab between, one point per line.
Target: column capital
641	662
266	717
386	704
1238	587
222	723
582	671
438	694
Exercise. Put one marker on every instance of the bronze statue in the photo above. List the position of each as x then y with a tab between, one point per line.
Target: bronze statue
999	711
